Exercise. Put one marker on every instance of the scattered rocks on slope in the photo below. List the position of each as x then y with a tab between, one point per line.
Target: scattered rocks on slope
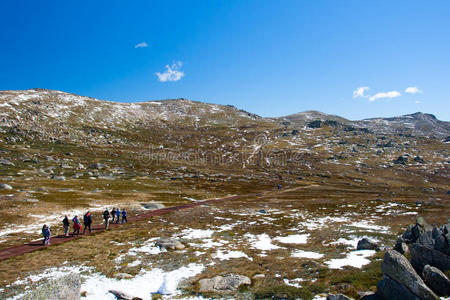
4	186
436	280
397	268
169	244
223	284
367	244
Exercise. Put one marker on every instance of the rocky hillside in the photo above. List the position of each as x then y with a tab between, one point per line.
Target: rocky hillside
57	115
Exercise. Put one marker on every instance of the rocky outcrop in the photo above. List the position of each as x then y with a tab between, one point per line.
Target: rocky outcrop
436	280
367	244
429	248
223	284
397	268
169	244
67	288
432	248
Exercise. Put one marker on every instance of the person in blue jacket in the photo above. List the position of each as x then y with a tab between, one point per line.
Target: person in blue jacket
46	233
117	215
124	216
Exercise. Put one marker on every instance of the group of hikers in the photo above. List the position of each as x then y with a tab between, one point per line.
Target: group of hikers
115	214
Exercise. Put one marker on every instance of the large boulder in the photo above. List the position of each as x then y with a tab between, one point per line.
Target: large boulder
223	284
397	267
422	255
436	280
169	244
367	244
67	288
389	289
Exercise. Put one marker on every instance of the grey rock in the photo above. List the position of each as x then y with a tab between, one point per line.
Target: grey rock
367	295
122	295
401	246
152	205
67	288
441	240
420	221
124	276
338	297
422	255
436	280
366	244
62	178
4	186
398	268
401	160
98	166
389	289
5	162
224	284
169	244
106	177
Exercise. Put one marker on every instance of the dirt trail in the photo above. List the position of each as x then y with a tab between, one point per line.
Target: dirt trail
36	245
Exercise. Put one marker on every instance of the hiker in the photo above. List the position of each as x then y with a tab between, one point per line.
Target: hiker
106	217
65	222
87	220
124	216
117	215
76	225
113	214
46	233
279	186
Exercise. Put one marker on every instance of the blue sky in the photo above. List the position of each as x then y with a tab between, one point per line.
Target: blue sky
272	58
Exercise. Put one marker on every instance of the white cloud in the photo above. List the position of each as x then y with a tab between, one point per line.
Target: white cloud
141	45
172	73
359	92
412	90
417	101
391	94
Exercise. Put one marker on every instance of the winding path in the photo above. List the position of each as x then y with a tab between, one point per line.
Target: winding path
36	245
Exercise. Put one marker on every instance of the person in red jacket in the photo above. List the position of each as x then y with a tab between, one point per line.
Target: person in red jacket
76	225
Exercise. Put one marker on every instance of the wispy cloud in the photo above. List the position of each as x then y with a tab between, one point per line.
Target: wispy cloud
141	45
417	102
172	73
360	92
412	90
382	95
